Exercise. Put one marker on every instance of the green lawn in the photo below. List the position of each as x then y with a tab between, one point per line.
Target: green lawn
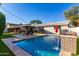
77	46
77	51
4	50
6	35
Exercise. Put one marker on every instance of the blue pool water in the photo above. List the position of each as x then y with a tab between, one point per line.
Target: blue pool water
40	46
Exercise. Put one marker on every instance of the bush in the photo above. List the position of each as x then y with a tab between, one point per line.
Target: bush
2	23
10	30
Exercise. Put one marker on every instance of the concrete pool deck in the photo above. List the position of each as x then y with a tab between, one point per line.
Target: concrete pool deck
64	53
20	52
15	49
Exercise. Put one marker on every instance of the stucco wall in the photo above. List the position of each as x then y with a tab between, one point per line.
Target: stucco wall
64	27
68	43
74	29
50	29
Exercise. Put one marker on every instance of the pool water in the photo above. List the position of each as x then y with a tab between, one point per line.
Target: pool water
40	46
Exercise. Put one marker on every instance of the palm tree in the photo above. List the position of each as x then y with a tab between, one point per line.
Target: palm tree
72	15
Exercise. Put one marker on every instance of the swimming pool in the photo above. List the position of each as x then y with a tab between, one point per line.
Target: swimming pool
41	46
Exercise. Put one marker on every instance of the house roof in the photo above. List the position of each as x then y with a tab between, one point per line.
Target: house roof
13	24
62	23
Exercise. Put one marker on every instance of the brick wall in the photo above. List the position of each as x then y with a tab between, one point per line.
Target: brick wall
68	43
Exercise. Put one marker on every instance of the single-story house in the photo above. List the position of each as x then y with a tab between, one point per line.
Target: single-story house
56	27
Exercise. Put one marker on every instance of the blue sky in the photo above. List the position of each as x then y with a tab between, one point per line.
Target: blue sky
46	12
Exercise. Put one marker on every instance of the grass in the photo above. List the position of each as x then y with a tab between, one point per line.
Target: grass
4	50
77	51
6	35
77	47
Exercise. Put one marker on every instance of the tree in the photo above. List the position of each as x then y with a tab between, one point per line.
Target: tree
2	23
36	22
73	15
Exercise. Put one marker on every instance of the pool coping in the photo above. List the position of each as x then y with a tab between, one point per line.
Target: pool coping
14	48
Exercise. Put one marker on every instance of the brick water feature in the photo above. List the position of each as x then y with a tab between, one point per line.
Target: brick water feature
68	44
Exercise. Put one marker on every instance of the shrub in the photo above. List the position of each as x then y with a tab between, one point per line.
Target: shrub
2	23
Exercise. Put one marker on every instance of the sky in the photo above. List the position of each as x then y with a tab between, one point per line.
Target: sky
46	12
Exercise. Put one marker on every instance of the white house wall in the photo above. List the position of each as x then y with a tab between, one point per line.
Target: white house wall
64	27
74	29
50	29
